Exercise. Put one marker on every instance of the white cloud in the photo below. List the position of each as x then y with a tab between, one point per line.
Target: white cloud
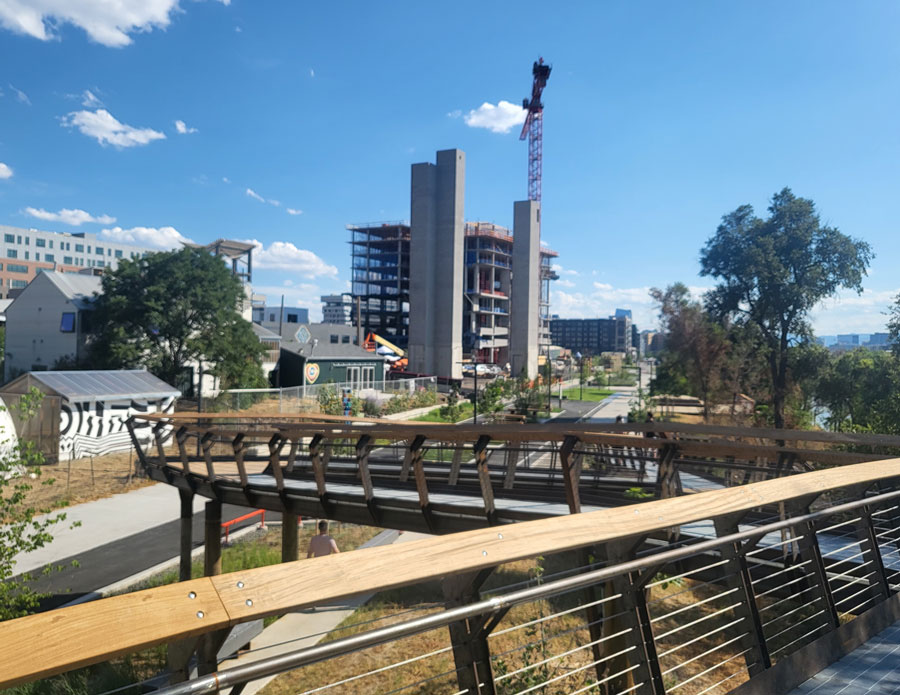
163	238
108	23
5	171
225	179
74	217
256	196
105	129
183	129
283	255
312	73
565	283
849	312
455	113
563	271
90	100
20	95
293	211
498	119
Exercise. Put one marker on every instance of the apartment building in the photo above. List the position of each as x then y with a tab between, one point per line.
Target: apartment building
26	252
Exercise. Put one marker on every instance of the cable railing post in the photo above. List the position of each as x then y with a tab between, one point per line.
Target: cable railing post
808	551
737	576
471	652
637	660
866	532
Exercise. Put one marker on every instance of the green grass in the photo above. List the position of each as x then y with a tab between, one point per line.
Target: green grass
465	412
591	393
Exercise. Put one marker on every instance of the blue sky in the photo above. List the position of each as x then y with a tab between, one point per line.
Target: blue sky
282	122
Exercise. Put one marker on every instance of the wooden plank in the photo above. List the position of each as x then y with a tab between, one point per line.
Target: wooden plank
276	443
512	458
455	465
484	478
239	450
45	644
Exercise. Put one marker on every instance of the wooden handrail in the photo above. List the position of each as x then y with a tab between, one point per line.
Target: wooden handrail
552	429
57	641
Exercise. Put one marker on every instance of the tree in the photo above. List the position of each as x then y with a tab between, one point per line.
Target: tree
700	344
168	310
772	272
20	530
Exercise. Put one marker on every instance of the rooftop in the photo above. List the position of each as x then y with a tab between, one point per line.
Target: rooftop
97	385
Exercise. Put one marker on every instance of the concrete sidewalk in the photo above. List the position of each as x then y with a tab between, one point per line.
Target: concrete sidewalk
308	627
105	521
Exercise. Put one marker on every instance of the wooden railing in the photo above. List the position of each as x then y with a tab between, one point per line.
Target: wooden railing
840	560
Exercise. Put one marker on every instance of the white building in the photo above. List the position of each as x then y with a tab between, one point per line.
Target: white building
26	252
48	322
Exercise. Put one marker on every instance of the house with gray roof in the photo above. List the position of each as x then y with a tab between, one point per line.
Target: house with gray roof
46	325
319	353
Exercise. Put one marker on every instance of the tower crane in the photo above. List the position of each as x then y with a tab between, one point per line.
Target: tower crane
534	128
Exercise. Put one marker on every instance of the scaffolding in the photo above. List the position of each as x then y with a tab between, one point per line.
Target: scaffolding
488	263
380	278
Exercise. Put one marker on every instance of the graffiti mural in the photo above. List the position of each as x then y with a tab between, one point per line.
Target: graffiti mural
96	428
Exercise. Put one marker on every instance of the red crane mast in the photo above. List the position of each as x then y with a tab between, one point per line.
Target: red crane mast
534	127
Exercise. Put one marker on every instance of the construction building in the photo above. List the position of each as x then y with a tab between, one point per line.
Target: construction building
462	273
380	278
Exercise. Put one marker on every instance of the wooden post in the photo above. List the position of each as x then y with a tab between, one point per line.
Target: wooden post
290	537
187	520
207	661
568	463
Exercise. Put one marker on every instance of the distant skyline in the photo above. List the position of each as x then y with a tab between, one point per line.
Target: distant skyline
281	123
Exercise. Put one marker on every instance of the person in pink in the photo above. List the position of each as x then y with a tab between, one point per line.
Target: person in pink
322	544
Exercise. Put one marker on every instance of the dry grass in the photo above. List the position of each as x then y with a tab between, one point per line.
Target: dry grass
531	646
84	480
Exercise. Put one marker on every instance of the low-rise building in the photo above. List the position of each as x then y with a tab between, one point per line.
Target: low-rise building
337	308
319	353
48	323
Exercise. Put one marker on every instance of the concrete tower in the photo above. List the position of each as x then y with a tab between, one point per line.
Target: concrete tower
436	241
526	288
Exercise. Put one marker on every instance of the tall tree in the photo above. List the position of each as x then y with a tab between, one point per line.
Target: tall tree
773	271
168	310
699	344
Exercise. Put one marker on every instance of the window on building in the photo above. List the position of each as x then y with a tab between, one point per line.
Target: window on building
17	284
12	253
51	244
37	256
40	242
27	241
18	239
67	260
345	339
109	252
67	324
9	238
118	253
334	338
271	317
16	268
49	258
101	264
79	248
98	250
26	255
292	318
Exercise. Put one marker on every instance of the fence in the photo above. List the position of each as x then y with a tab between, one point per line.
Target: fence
612	601
306	398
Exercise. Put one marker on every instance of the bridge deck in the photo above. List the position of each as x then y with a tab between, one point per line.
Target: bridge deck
872	669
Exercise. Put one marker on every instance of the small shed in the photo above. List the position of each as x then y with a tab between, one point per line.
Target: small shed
83	413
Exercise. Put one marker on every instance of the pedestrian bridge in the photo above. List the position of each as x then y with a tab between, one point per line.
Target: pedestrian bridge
758	563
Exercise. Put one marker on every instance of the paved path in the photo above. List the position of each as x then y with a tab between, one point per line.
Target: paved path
118	537
871	669
308	627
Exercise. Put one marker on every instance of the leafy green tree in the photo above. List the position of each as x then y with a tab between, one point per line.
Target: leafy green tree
772	272
167	310
20	529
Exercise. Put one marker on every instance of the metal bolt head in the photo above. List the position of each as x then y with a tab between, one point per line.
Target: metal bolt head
484	552
240	585
500	536
200	614
249	602
192	595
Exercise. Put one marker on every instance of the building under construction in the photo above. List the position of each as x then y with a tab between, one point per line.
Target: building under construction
380	272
